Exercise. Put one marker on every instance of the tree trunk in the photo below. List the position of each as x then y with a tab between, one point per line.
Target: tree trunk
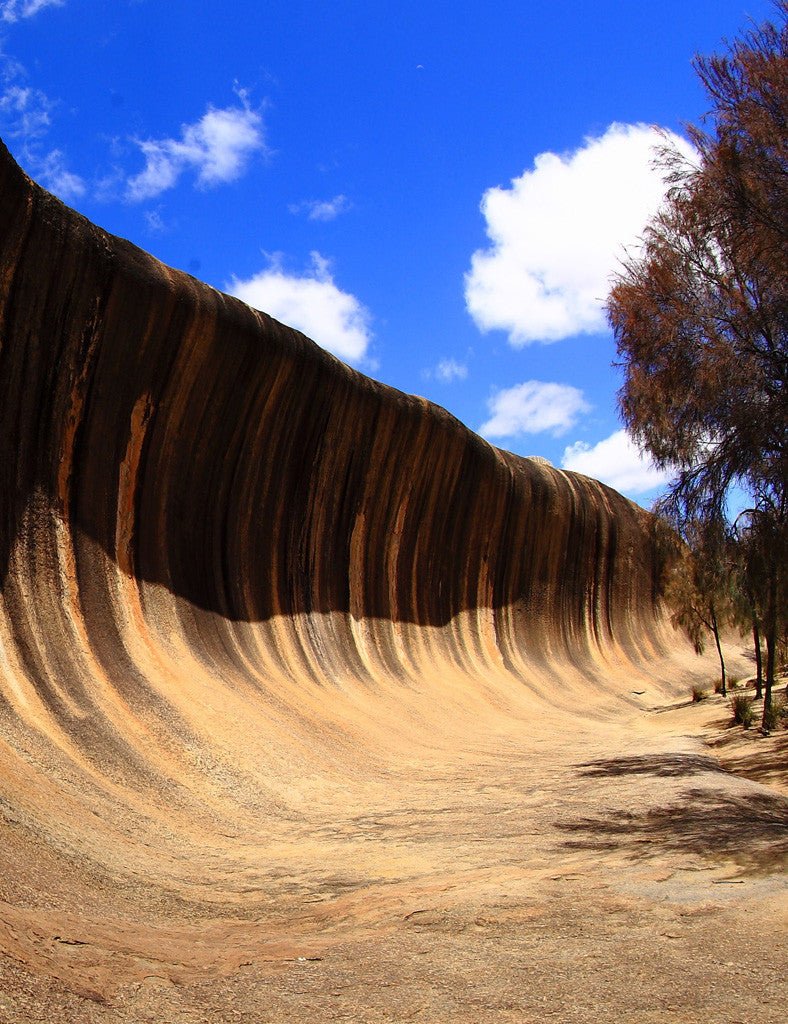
716	632
767	696
771	652
756	637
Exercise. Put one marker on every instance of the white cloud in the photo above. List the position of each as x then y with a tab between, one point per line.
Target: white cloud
217	147
154	222
558	233
322	209
533	408
24	112
616	461
54	175
13	10
311	303
449	370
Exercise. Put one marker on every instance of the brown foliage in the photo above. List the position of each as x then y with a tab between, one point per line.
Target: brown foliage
698	586
701	315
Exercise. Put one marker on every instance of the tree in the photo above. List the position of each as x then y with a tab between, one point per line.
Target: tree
700	314
698	587
750	576
765	572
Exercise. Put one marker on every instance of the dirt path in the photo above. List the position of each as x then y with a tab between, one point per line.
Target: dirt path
585	873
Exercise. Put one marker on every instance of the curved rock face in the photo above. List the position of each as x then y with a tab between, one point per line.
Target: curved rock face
231	566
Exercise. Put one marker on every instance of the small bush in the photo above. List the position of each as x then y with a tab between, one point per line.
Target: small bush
718	686
698	695
742	710
734	682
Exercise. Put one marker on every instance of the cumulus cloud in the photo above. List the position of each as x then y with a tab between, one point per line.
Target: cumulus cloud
13	10
55	176
558	232
533	408
313	304
616	461
217	148
322	209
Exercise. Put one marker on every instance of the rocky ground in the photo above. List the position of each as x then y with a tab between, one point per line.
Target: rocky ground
623	870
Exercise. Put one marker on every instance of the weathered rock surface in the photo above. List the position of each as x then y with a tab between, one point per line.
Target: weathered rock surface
170	454
249	600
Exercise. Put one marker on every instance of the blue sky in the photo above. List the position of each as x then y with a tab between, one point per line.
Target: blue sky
436	192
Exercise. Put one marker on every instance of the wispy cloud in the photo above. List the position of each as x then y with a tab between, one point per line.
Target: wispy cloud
25	117
312	303
52	172
217	148
154	222
534	407
616	461
447	371
13	10
24	112
322	209
558	232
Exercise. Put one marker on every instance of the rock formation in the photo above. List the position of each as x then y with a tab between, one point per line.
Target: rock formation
235	572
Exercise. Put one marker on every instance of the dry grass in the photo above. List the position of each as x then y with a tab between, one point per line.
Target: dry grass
742	710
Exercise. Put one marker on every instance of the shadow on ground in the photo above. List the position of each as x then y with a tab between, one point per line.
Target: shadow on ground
662	765
750	830
760	759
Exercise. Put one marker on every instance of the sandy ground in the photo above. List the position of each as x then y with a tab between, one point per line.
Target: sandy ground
629	869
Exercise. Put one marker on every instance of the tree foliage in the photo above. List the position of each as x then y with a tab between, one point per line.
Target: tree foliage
699	588
700	314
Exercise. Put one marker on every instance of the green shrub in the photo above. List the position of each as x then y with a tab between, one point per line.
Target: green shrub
698	694
742	709
734	682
